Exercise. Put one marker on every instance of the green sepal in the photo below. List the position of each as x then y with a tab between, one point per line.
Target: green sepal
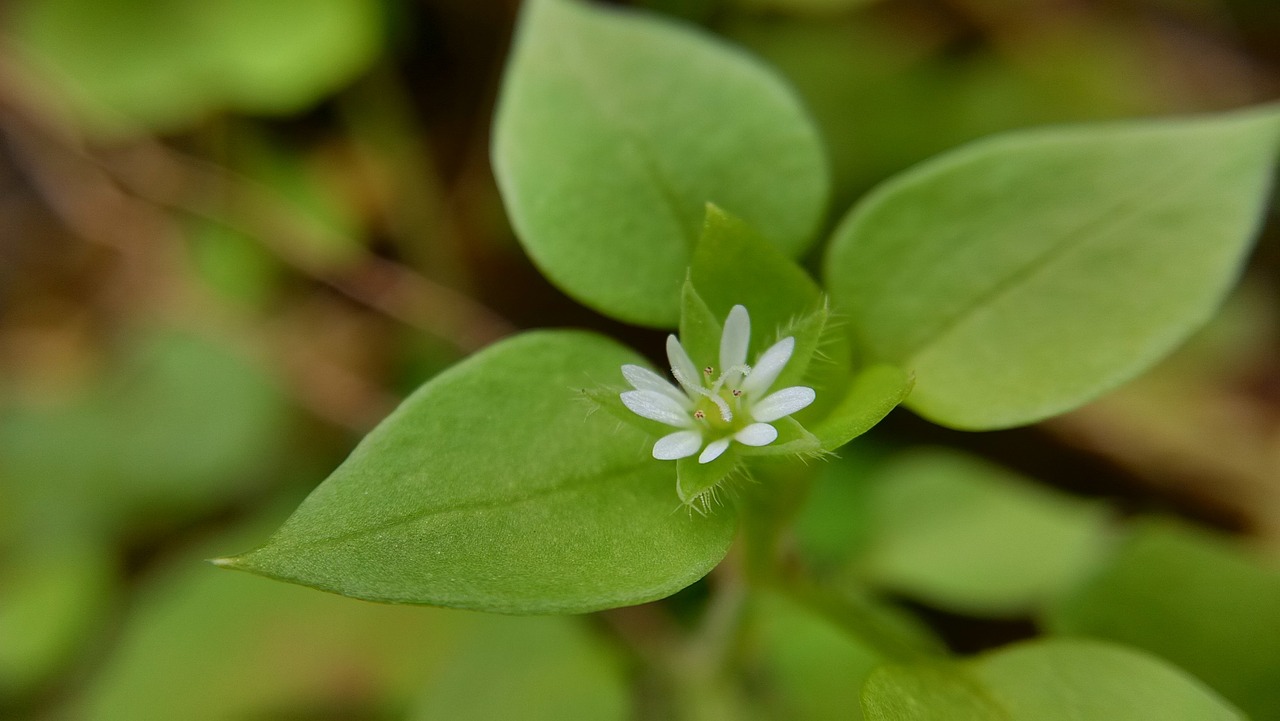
792	439
608	399
875	391
701	485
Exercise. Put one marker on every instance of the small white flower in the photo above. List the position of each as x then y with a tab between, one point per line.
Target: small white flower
732	407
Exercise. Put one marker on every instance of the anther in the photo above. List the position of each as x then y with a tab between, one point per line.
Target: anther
709	371
737	392
699	415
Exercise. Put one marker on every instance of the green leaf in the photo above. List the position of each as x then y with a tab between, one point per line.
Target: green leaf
1194	599
815	667
533	669
200	645
733	264
1022	276
52	602
1064	679
132	435
493	488
130	66
874	392
927	693
1058	680
961	534
613	131
700	328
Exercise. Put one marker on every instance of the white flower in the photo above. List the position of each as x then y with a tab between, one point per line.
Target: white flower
732	407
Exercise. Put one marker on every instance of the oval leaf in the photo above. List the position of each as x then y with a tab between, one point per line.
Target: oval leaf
1194	599
613	131
969	537
1044	681
1022	276
495	488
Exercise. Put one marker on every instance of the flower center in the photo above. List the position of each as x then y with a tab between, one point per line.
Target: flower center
710	411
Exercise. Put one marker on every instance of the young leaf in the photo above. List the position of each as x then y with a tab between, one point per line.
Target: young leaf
613	131
1058	680
733	264
494	488
700	329
874	392
1193	599
1022	276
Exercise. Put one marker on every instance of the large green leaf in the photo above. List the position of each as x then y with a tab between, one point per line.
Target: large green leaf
964	535
495	488
1024	275
614	129
815	666
533	669
1056	680
135	65
1193	599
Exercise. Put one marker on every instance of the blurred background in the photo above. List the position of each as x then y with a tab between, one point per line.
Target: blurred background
234	234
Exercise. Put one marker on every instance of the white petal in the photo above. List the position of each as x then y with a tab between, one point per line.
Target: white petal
681	366
756	434
680	444
769	365
735	338
643	379
658	407
782	403
713	450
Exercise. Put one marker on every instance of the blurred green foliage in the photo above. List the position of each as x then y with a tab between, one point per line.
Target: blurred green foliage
129	66
182	357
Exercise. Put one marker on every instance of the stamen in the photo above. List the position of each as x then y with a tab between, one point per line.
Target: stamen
737	392
725	414
686	383
743	369
709	371
700	415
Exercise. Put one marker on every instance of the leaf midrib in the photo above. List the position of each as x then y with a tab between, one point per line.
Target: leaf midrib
579	66
1076	239
571	485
